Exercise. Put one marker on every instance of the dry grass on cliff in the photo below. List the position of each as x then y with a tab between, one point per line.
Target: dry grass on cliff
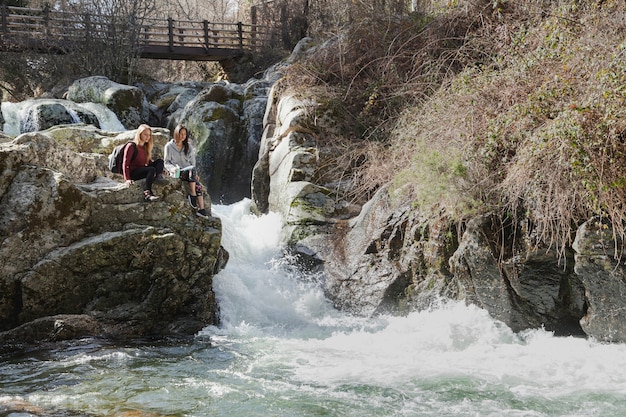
366	75
539	131
516	108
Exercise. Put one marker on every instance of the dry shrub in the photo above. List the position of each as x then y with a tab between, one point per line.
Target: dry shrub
568	163
554	154
568	172
371	72
535	133
515	108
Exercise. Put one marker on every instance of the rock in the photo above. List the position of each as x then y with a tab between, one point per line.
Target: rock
74	242
302	48
535	288
214	120
287	154
169	99
604	280
54	329
127	102
41	114
361	270
225	124
284	176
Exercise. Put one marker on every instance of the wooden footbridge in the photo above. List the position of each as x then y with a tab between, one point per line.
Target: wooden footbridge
53	31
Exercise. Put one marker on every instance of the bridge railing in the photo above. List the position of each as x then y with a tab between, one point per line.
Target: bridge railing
204	34
54	28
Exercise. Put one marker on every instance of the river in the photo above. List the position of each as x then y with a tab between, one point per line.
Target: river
283	350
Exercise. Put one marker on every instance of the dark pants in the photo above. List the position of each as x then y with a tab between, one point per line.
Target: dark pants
149	172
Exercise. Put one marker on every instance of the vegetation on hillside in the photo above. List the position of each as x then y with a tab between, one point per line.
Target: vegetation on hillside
508	107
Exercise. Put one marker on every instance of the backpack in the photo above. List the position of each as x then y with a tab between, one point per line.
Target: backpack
116	159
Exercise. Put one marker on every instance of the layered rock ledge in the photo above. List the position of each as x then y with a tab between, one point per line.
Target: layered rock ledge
82	254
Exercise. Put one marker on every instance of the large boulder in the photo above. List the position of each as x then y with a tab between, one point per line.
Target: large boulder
285	177
224	123
604	280
84	254
367	269
41	114
167	100
127	102
536	287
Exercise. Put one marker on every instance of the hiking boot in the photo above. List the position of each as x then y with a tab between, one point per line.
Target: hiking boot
193	200
149	196
202	213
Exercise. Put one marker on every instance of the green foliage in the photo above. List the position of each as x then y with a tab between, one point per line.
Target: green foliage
437	177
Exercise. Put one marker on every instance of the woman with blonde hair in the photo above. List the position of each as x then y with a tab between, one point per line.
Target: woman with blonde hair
139	165
180	161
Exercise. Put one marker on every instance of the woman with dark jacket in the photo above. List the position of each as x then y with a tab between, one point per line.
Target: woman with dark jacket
141	165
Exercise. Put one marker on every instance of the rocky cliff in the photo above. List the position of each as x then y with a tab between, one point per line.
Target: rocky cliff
392	258
82	254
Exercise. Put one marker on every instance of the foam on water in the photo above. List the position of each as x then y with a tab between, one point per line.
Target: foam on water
451	342
107	119
257	292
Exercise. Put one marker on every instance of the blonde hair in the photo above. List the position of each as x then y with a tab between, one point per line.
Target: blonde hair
149	144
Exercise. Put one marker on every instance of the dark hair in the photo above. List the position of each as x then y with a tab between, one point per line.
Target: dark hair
177	131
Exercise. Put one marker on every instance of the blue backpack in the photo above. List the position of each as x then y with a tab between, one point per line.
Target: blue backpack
116	159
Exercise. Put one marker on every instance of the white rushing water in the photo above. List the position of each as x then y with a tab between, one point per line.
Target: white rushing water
283	350
16	113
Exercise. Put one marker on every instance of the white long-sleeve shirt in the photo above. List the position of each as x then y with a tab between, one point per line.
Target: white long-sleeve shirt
175	158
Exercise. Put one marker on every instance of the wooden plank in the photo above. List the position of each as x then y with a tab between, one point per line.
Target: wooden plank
188	53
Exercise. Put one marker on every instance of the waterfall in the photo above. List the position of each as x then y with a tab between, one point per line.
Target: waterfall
18	116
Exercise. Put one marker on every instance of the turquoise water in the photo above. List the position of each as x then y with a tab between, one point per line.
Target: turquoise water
282	350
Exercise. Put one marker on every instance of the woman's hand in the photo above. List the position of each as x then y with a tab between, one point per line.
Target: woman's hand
129	183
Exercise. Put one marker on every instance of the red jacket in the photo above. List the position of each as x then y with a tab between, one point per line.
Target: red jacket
129	164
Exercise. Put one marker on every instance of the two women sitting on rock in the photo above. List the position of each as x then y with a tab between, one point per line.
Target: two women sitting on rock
180	161
138	164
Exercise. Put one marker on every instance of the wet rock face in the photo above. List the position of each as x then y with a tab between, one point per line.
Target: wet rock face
535	288
225	123
41	114
389	259
604	278
76	244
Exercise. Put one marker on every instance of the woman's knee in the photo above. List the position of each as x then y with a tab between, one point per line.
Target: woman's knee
158	166
150	172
